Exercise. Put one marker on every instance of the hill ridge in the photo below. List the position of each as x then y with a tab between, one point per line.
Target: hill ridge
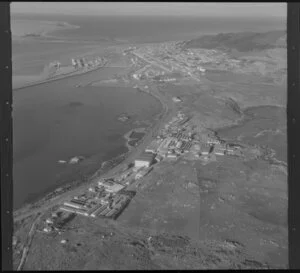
241	41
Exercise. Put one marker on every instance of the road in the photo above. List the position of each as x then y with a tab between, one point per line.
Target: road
151	62
168	111
28	243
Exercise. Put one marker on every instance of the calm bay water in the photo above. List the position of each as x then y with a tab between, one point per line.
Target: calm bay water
57	121
154	29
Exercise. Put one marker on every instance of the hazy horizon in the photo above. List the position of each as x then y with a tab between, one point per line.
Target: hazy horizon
244	10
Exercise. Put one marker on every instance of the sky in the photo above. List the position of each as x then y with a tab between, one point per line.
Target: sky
154	8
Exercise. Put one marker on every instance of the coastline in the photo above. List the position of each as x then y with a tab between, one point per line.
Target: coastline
32	29
44	202
59	77
80	184
128	138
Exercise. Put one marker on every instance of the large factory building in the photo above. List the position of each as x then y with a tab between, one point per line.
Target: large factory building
144	160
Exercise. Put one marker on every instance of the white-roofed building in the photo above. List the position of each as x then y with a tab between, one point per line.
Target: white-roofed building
111	186
144	160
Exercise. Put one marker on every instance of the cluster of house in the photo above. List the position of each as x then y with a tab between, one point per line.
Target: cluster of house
192	62
156	76
172	58
148	72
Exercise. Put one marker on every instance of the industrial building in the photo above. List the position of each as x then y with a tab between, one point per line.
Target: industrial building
172	156
74	210
158	158
219	151
143	172
144	160
111	186
152	148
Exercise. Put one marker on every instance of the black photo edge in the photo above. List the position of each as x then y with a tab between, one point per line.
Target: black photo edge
293	119
6	136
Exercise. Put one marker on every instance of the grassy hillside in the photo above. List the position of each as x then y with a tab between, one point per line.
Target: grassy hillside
242	41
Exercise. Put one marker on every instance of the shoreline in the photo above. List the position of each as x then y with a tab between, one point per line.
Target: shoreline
80	184
59	77
45	27
128	138
77	185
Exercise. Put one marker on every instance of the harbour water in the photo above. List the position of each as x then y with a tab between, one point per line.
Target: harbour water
55	121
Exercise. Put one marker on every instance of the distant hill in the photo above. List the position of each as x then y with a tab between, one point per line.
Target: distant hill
241	41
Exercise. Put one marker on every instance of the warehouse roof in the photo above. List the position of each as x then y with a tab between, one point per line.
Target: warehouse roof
146	157
205	148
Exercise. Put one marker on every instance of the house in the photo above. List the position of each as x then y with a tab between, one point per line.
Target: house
172	156
158	158
205	149
144	160
211	140
219	151
47	229
231	152
176	99
49	221
153	146
201	69
14	241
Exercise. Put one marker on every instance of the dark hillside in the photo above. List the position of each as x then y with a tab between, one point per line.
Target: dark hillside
242	41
